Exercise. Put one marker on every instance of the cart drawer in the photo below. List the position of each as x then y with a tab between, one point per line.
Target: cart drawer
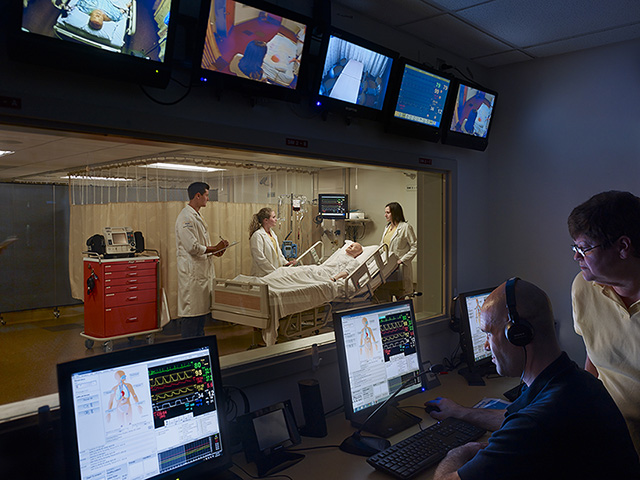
130	266
130	319
150	280
129	287
112	300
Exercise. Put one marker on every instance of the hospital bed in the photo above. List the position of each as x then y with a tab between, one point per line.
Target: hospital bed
294	312
73	24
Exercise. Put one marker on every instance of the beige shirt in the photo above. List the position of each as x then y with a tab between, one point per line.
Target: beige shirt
611	334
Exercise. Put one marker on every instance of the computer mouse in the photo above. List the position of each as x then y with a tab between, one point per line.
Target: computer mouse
430	407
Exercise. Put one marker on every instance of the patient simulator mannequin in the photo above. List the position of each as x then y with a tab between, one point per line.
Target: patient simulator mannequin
101	11
337	267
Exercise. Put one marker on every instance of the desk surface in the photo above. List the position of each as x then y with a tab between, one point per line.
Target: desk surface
331	463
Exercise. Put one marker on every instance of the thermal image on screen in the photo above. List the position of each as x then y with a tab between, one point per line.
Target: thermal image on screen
472	111
122	26
253	44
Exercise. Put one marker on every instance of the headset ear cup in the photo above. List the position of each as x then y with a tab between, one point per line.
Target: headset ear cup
519	334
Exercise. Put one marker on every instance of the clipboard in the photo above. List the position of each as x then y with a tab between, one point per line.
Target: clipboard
228	246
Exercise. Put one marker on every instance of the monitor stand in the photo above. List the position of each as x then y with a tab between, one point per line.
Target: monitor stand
387	422
473	376
276	462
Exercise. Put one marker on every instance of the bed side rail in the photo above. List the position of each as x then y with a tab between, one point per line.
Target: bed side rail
372	273
312	255
241	302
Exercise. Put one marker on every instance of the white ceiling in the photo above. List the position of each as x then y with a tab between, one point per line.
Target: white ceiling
490	32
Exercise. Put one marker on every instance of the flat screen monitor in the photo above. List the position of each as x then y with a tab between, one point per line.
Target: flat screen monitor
355	75
469	119
254	46
150	412
472	339
378	352
128	40
417	100
333	206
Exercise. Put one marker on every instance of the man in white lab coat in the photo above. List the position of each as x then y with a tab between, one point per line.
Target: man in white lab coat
195	262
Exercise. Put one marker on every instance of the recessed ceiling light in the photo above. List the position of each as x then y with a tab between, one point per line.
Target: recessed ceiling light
185	168
90	177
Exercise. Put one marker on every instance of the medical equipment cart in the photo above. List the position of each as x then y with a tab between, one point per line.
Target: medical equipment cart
120	298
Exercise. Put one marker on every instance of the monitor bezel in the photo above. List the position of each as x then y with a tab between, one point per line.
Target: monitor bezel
220	81
361	415
465	140
134	355
56	53
324	103
406	127
466	340
330	216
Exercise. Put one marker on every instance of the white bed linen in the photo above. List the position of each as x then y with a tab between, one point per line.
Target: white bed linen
111	33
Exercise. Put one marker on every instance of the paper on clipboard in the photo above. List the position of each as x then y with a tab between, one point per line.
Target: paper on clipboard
230	245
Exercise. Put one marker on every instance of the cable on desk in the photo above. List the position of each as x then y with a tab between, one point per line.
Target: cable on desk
277	475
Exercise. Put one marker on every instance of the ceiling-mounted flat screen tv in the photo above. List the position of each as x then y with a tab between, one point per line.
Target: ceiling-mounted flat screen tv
417	99
469	119
355	75
128	40
253	46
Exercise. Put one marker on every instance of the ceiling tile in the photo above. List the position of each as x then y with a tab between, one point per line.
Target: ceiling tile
525	23
500	59
457	36
588	41
392	12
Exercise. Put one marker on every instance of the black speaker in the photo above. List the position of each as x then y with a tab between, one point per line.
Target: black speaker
315	424
139	239
518	331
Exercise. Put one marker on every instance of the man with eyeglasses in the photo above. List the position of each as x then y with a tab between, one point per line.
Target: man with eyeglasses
606	295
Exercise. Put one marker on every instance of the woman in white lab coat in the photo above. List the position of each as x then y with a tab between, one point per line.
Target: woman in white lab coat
401	240
265	248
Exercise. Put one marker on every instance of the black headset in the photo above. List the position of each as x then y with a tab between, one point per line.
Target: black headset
518	331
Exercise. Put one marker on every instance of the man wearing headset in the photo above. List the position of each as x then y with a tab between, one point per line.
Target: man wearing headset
563	425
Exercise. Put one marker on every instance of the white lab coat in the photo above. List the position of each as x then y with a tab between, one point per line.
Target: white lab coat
404	244
265	257
195	267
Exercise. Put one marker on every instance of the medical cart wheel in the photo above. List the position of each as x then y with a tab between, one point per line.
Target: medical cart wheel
88	343
151	339
108	346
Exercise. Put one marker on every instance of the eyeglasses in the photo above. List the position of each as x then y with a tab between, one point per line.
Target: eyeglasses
583	251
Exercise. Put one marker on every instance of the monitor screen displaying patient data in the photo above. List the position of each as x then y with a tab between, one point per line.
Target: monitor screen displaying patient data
380	349
478	337
145	417
422	96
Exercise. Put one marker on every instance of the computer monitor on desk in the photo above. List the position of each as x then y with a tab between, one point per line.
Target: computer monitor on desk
378	352
472	339
152	412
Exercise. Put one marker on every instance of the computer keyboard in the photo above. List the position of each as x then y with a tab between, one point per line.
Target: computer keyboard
424	449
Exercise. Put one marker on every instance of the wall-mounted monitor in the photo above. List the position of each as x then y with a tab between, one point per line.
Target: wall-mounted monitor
253	46
151	412
128	40
468	121
417	100
472	339
378	352
355	75
333	206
